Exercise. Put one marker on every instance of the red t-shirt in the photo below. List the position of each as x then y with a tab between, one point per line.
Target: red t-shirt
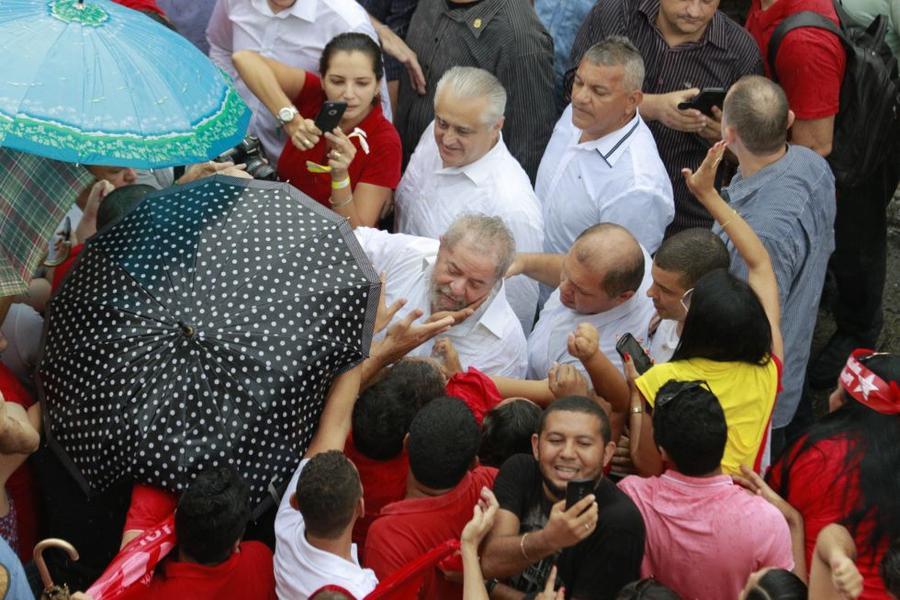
380	167
21	485
409	528
810	63
823	496
247	574
62	269
383	481
149	506
477	390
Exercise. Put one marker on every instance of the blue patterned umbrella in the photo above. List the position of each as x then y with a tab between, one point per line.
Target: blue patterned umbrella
98	83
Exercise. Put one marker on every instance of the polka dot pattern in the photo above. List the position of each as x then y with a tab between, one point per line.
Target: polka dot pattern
204	329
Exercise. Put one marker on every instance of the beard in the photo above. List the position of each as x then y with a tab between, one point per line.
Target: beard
443	299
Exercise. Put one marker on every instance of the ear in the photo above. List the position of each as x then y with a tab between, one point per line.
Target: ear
635	98
626	296
294	504
791	117
405	442
499	124
535	445
729	135
608	453
474	464
361	508
665	456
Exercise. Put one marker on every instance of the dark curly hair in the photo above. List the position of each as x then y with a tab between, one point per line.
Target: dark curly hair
327	493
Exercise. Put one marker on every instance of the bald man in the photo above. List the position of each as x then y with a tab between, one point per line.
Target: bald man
786	193
602	280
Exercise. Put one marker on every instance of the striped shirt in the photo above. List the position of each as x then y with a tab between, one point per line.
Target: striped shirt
790	204
724	54
504	37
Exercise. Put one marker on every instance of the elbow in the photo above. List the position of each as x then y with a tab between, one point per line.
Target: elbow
240	57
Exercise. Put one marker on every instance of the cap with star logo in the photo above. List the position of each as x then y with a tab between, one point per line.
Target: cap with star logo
866	387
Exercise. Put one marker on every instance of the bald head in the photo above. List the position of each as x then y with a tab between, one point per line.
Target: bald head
610	249
757	109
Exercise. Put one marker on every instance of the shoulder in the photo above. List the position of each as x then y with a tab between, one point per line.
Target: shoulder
255	553
617	509
519	467
350	12
740	42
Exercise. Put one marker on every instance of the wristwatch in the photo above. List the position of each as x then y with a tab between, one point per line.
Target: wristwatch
286	115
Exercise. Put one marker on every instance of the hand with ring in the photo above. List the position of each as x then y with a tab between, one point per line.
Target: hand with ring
340	154
303	133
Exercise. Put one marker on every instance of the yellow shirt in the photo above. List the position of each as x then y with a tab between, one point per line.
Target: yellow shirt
747	395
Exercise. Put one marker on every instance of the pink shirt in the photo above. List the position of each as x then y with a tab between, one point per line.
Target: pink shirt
705	535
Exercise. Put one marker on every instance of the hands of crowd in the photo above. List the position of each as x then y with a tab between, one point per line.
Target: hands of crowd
845	576
406	335
482	520
566	380
584	342
566	528
664	108
702	182
88	224
385	313
211	167
340	154
752	482
445	352
303	133
394	45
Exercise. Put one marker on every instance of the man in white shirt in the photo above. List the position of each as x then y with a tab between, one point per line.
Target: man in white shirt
681	260
463	269
314	523
602	164
462	165
603	280
290	31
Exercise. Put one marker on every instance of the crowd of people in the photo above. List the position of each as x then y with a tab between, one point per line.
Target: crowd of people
591	366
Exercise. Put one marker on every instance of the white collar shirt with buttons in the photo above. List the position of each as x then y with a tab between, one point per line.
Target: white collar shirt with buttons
294	36
430	197
490	340
301	568
547	344
618	178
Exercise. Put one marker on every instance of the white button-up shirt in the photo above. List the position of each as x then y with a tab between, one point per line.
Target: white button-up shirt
618	178
294	36
300	568
490	340
547	344
430	197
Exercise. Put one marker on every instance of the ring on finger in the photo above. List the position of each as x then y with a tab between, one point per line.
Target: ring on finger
587	526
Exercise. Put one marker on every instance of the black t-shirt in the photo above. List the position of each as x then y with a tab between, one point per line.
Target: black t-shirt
598	566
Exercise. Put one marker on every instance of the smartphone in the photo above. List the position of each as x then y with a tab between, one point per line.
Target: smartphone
705	100
330	115
627	344
578	489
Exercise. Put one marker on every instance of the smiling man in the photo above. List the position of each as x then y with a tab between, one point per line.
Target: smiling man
597	544
464	268
461	164
601	164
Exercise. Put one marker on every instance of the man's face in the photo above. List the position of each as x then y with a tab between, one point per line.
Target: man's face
580	288
460	131
686	17
570	447
600	102
461	276
666	292
117	176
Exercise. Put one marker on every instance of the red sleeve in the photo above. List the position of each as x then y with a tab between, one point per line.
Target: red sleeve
149	505
477	390
382	167
779	370
63	269
311	97
13	390
810	67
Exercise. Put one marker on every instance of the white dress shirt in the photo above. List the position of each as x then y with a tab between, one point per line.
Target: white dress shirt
294	36
547	344
430	197
490	340
300	568
618	178
664	340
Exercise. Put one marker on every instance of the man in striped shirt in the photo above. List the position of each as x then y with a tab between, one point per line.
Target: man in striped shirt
687	45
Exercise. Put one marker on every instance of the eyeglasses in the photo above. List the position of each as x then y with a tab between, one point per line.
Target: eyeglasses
678	389
686	299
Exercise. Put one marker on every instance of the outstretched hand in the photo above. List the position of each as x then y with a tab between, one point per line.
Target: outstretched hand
386	313
482	520
703	181
752	482
460	315
405	335
584	342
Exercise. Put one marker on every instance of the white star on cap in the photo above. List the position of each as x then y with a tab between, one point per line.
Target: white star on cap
866	385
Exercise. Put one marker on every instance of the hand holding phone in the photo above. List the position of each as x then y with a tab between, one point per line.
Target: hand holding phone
705	100
330	115
627	344
577	489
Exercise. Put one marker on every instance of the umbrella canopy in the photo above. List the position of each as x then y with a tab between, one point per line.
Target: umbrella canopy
35	194
204	328
98	83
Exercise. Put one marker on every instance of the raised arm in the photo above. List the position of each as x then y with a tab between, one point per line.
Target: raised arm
761	276
833	574
334	424
608	382
545	268
274	83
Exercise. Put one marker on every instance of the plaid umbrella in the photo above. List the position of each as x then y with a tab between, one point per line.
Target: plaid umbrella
35	195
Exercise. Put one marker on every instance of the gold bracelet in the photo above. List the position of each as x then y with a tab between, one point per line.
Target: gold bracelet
341	204
522	547
340	184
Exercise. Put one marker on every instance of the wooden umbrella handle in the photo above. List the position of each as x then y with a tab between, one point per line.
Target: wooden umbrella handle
39	558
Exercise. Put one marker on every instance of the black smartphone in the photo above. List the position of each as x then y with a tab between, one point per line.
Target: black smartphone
330	115
705	100
627	344
577	489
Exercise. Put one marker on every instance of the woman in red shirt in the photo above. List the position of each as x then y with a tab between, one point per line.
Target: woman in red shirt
354	168
845	469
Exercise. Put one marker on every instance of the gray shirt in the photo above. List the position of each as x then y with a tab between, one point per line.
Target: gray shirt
790	204
504	37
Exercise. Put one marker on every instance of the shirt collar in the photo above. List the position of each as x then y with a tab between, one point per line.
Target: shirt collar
478	17
490	314
479	170
685	480
714	34
302	9
742	188
612	145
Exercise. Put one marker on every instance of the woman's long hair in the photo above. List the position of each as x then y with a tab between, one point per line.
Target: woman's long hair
874	454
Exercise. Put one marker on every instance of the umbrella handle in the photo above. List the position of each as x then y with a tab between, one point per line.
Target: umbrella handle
39	558
64	249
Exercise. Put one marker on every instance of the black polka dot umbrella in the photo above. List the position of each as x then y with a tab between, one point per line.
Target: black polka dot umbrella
204	328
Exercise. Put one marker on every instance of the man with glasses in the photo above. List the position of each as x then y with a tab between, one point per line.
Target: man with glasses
704	533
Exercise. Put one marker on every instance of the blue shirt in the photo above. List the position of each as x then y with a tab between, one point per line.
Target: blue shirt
16	582
561	19
790	204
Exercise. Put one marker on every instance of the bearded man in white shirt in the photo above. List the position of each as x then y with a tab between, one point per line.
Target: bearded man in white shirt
461	164
602	164
462	272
